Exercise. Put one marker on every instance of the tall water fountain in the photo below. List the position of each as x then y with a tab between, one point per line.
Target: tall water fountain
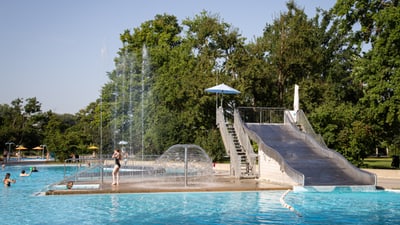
128	107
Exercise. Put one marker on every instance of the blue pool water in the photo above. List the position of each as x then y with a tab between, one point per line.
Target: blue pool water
20	205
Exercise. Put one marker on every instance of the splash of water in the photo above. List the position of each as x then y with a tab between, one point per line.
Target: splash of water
123	119
129	97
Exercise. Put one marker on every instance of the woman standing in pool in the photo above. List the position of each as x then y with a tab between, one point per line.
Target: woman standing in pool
7	180
115	174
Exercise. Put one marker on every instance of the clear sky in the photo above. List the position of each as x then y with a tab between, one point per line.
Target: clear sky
60	51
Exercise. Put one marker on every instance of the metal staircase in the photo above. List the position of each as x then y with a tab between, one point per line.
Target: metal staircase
238	147
245	169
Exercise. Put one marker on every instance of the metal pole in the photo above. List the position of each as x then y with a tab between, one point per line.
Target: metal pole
43	147
101	138
144	73
186	166
9	150
101	122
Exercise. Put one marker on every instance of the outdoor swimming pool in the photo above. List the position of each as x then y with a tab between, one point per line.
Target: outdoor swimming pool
20	205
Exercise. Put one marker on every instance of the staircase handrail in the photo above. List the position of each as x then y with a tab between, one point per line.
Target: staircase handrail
228	143
305	125
89	164
245	141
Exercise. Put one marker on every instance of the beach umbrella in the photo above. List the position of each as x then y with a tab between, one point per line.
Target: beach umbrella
39	148
123	143
222	89
21	147
92	147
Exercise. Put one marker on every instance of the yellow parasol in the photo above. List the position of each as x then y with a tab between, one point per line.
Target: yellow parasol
21	147
38	148
92	147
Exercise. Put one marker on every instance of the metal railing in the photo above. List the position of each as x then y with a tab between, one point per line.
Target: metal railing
304	125
229	144
79	165
261	114
245	143
89	168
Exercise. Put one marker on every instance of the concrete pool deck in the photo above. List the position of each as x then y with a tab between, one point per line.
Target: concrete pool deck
221	182
386	179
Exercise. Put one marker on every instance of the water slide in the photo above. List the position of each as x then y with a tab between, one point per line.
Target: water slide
319	165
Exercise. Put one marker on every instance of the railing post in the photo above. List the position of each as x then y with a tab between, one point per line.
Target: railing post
186	166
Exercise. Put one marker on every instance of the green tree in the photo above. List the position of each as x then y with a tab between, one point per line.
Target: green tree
210	50
292	51
377	70
176	72
23	122
56	138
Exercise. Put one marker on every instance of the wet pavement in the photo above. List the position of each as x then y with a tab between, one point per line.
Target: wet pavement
386	179
221	181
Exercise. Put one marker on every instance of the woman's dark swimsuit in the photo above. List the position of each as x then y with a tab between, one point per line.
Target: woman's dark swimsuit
117	162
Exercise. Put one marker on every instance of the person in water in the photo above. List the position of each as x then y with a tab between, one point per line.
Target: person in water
23	174
7	180
115	174
70	184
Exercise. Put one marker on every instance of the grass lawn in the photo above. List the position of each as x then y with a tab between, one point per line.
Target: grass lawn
378	163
